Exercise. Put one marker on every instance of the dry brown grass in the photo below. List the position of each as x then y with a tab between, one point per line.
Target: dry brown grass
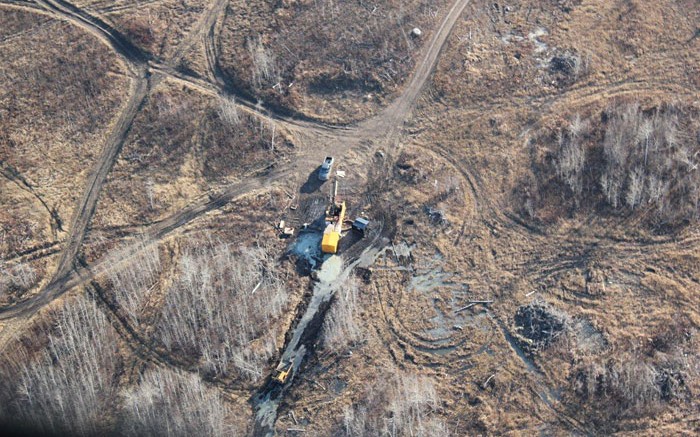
59	101
181	147
336	61
154	26
509	78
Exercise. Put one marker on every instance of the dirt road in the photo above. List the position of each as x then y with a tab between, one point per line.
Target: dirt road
338	139
86	206
141	84
80	275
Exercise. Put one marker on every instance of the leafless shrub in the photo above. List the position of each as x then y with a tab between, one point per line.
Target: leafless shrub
19	277
222	308
633	382
572	154
69	388
638	159
403	407
228	112
265	71
340	328
412	400
132	284
172	404
625	381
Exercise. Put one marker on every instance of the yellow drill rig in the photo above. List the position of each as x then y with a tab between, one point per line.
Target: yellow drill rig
335	215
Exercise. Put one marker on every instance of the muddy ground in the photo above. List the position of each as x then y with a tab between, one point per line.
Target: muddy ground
511	308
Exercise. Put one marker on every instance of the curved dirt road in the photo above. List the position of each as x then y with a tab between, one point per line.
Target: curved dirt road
384	125
88	202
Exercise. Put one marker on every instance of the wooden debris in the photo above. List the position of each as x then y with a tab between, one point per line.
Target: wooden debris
472	303
316	383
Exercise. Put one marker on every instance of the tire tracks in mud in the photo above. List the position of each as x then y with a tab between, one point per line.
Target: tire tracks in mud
81	275
13	175
448	345
88	202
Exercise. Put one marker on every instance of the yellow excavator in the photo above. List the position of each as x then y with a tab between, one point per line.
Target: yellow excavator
282	372
335	215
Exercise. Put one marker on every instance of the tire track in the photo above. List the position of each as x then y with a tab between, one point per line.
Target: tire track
13	175
88	202
81	275
392	118
132	55
65	278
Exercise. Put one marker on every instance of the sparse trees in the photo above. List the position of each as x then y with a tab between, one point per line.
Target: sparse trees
648	163
640	159
167	403
69	387
628	384
222	308
265	71
402	407
341	327
412	399
634	380
572	154
133	283
228	112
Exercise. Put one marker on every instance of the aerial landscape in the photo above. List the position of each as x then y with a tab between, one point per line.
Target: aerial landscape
350	218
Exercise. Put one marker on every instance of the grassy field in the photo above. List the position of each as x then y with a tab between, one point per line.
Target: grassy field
530	172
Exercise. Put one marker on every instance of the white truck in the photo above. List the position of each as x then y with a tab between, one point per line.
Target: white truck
325	171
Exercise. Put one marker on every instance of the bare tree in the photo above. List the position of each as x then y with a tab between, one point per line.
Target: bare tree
648	159
411	401
265	71
69	388
169	403
635	188
228	112
341	327
402	407
572	155
222	308
133	283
